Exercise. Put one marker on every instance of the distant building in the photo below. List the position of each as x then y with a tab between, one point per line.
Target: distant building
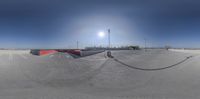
114	48
134	47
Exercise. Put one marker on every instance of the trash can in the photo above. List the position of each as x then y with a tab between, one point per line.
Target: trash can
109	54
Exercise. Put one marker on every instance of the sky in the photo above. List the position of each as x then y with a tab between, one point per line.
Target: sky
61	23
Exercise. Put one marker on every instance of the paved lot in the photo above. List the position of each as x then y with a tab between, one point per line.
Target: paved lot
59	76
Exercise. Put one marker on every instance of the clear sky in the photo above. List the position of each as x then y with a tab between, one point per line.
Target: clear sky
60	23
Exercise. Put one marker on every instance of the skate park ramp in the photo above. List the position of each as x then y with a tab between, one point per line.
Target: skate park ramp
60	69
59	76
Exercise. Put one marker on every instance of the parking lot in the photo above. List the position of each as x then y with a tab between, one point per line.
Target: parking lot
23	75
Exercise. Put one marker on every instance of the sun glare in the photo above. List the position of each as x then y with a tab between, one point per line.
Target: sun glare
101	34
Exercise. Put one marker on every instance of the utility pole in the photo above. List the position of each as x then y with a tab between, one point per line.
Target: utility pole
109	38
109	52
145	44
77	45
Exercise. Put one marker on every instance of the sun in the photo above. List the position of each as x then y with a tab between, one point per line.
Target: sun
101	34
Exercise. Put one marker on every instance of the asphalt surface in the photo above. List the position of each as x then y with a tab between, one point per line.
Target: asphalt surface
59	76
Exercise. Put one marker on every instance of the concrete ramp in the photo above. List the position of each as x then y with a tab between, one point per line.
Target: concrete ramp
60	69
60	55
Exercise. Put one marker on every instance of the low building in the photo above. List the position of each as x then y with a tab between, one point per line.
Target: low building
114	48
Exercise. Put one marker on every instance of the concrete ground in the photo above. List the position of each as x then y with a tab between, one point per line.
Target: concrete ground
59	76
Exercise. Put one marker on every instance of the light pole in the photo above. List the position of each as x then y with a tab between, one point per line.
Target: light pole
145	41
109	52
77	44
108	38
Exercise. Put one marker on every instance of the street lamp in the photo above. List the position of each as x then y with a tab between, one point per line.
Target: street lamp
109	38
77	45
109	52
145	41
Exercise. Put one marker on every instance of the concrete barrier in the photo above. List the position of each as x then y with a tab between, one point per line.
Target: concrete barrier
186	51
